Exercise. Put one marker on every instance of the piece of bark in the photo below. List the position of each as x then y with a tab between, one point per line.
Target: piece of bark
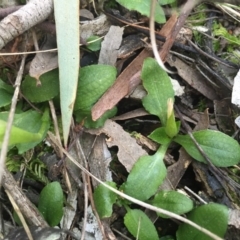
23	19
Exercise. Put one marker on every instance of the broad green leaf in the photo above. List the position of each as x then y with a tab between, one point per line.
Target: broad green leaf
94	80
51	203
93	83
68	34
49	87
94	43
222	150
212	216
146	175
104	199
172	201
29	128
143	7
139	225
159	88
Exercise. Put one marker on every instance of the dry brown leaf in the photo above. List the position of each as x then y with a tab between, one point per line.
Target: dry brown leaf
192	77
98	26
44	62
128	149
110	45
99	159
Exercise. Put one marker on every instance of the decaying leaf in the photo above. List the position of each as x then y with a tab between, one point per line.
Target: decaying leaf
192	77
110	46
46	61
128	149
98	26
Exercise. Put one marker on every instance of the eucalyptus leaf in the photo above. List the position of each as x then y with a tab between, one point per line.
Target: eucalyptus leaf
51	203
68	34
139	225
143	7
48	89
172	201
222	150
212	216
159	87
104	199
146	175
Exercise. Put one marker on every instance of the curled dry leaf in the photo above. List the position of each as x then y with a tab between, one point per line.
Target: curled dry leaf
128	149
98	26
46	61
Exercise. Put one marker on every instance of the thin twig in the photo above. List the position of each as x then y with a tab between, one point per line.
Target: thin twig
56	128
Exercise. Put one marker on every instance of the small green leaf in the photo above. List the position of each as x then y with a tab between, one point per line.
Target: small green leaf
139	225
29	128
146	175
6	87
5	98
222	150
171	125
159	135
51	203
172	201
49	87
212	216
96	45
164	2
6	93
159	88
87	118
143	7
104	199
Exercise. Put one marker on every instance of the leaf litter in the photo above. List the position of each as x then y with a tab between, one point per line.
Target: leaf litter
201	91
